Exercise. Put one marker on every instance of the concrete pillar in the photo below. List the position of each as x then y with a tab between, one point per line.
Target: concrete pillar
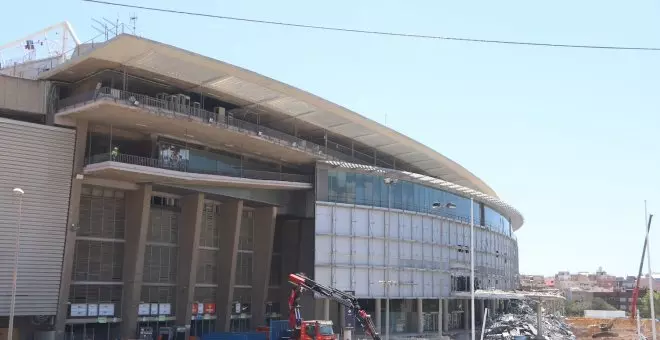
231	213
289	252
138	208
306	262
264	233
440	317
72	222
420	317
190	228
482	307
466	314
377	316
326	309
445	315
342	320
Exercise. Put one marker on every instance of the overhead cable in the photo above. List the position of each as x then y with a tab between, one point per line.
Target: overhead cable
382	33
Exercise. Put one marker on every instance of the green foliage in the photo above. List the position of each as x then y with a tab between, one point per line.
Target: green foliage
600	304
576	308
644	305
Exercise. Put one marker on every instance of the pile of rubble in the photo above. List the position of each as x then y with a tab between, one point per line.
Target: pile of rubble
523	322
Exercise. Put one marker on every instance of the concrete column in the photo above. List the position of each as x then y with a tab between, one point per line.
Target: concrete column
466	314
445	315
229	229
289	252
441	327
342	320
71	228
306	263
192	207
138	208
377	315
420	317
264	233
326	309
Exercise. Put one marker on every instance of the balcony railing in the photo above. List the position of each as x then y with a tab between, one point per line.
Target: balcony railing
333	151
173	109
184	166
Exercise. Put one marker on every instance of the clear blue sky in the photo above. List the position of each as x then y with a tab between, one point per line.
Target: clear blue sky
569	137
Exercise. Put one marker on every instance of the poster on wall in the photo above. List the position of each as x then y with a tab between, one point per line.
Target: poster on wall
209	308
154	309
78	309
92	310
144	309
164	309
107	309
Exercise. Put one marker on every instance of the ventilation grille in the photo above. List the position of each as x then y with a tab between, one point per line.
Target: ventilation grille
160	264
205	294
98	261
102	213
97	294
155	294
206	268
209	236
164	226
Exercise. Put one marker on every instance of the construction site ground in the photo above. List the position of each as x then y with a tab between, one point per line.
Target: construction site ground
585	328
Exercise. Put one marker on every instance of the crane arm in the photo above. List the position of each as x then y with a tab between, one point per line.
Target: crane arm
301	282
635	294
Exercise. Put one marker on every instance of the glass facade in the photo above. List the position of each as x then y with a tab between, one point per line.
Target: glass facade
365	189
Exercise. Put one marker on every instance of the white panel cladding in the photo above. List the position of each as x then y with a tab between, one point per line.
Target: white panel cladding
38	159
418	258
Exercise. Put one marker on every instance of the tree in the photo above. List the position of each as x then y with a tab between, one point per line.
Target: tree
576	308
644	304
600	304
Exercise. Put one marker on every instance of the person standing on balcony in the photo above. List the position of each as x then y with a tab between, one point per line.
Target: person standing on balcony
115	153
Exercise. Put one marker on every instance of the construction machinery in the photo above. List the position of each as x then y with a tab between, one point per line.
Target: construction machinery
605	330
322	329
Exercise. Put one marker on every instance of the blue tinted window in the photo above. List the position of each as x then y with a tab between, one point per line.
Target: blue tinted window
365	189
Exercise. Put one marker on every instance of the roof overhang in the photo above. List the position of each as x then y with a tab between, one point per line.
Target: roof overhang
143	174
243	87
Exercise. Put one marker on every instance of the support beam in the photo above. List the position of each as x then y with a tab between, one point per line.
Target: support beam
420	317
445	315
230	217
138	207
326	309
289	253
192	207
466	314
441	326
377	315
71	228
264	233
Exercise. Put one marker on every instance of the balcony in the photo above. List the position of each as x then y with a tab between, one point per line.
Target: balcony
136	111
144	169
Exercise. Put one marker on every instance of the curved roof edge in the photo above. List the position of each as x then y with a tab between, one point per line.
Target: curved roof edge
217	77
516	218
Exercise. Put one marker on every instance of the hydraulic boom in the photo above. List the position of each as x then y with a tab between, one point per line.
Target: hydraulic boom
301	283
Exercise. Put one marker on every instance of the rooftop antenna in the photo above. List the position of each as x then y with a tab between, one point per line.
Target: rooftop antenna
133	22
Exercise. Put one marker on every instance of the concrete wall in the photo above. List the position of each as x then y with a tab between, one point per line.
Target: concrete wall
358	246
23	95
38	159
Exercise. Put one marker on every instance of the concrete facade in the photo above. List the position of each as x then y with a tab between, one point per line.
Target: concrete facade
185	214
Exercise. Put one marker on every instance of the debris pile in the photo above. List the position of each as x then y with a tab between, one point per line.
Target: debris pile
523	322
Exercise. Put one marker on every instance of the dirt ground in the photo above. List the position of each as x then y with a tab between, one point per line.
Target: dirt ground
584	328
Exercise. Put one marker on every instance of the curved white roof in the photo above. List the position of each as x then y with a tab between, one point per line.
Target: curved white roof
235	84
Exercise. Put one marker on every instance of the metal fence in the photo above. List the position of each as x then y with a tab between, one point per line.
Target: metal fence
184	166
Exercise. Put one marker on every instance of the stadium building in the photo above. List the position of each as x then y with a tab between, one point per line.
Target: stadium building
164	190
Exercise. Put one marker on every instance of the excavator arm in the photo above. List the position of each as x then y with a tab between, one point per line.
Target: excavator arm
301	282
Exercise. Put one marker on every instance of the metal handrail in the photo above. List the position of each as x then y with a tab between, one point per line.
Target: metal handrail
184	166
169	108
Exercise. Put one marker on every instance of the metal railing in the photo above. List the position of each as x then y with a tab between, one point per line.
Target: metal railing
184	166
163	107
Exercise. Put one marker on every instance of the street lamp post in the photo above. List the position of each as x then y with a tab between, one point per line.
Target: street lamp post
18	192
